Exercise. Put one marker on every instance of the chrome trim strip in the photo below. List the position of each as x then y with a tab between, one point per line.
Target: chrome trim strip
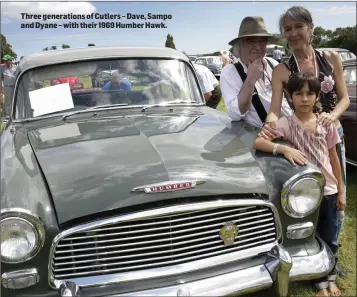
34	220
351	162
310	172
147	188
241	282
171	270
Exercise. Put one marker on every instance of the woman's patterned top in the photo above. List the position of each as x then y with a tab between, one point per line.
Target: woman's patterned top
328	98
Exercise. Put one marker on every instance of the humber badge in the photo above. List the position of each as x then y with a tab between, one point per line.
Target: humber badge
228	233
168	186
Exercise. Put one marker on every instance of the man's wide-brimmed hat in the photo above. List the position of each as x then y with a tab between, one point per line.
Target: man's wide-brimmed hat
252	26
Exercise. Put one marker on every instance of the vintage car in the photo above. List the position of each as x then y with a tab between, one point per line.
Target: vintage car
213	63
160	197
345	54
349	117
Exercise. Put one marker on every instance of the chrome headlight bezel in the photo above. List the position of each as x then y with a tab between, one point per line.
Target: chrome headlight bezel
309	174
34	221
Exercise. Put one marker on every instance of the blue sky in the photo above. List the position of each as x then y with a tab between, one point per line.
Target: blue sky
197	27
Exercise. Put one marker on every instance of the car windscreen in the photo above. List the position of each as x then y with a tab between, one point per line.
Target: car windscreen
69	87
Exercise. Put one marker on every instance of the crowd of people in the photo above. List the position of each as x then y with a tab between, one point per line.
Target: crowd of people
300	101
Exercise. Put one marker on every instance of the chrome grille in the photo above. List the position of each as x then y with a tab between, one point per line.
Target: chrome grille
161	240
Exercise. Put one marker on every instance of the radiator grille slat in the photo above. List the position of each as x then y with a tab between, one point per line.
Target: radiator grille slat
160	241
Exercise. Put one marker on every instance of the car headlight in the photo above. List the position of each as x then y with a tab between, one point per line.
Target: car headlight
22	236
302	195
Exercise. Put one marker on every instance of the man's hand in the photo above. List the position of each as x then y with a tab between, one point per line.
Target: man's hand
268	131
341	201
255	69
295	156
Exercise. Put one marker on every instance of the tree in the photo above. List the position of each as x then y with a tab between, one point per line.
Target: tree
91	44
6	48
321	37
344	38
65	46
170	42
45	49
53	47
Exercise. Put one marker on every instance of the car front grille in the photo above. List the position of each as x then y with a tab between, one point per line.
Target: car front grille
167	237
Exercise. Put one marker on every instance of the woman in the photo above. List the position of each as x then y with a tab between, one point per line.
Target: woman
296	26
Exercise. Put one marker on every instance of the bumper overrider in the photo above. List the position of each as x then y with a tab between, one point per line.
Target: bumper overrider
277	271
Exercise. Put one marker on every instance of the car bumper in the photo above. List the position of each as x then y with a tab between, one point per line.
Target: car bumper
277	271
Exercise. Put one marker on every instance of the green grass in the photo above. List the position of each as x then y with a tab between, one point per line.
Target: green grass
347	253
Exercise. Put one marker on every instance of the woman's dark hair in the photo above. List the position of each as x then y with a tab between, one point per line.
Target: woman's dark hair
297	81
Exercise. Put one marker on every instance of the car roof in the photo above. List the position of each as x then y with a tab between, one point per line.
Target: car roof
209	57
96	52
332	49
349	61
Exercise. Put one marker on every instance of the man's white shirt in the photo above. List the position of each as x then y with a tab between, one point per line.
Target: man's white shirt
277	54
206	78
231	85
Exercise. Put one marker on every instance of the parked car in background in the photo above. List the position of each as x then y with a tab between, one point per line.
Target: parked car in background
146	192
192	58
349	118
73	81
344	53
213	63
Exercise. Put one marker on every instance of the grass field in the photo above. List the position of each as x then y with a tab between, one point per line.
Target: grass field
347	255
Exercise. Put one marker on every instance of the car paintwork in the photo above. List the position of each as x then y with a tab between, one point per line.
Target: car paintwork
95	169
88	164
349	118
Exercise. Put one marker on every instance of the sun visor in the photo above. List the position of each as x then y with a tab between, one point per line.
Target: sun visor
65	70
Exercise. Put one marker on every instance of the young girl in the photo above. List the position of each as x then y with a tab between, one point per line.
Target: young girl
315	143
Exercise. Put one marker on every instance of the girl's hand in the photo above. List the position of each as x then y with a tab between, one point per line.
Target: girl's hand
295	156
326	118
268	132
341	201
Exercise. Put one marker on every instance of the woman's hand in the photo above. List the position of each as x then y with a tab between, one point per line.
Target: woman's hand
326	118
295	156
268	131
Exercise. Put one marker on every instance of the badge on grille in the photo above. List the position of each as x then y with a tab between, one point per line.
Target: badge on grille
228	233
168	186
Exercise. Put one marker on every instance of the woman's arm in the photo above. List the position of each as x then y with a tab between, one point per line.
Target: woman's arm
343	100
277	94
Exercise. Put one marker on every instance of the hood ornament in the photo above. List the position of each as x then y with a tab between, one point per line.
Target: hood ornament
228	233
168	186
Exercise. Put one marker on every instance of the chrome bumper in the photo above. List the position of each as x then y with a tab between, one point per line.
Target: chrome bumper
277	271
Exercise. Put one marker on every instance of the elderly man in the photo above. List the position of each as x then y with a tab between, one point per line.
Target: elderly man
8	77
209	86
246	85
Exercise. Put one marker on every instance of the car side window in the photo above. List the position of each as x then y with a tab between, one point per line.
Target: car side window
201	61
349	74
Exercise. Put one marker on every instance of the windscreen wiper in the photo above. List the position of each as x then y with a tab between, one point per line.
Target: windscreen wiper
104	106
173	102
